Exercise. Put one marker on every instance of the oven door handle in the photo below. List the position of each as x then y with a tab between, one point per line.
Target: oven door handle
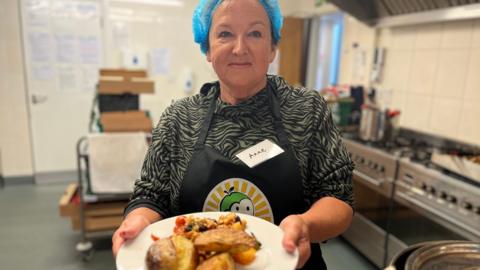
369	179
434	211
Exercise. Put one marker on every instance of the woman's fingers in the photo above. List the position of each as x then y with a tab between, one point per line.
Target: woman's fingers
129	229
296	236
292	232
117	242
304	252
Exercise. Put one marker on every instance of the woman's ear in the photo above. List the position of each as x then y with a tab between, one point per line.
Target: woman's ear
209	57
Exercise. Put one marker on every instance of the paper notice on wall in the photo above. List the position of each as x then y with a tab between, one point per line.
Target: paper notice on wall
40	47
63	9
37	12
67	79
87	11
160	61
89	49
66	49
42	72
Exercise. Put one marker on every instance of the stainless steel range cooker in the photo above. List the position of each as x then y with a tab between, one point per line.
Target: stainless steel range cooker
401	200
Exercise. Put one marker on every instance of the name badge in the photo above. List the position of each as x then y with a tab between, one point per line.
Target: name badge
259	153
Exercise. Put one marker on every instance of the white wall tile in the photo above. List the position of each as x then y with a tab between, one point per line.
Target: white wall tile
445	116
385	38
397	69
428	36
469	129
399	102
423	71
476	34
472	88
417	112
403	37
457	34
452	73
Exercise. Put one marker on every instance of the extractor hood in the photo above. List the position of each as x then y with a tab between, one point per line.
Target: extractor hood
385	13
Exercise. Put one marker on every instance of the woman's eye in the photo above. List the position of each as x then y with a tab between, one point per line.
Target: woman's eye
255	34
224	34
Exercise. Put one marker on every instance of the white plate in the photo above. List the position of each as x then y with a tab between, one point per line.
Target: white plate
270	256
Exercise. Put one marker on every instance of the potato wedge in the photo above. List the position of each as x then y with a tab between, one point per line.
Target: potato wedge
186	253
224	240
222	261
172	253
162	255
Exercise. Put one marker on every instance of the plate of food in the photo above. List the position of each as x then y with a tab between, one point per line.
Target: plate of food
207	240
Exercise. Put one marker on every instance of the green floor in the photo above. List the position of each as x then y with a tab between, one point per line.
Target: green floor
34	236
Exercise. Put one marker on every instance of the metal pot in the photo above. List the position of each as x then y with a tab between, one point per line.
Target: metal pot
455	255
372	123
399	260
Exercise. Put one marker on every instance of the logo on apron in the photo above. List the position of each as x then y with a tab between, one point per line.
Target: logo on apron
240	196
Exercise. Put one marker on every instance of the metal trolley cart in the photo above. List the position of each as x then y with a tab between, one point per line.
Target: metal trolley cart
98	214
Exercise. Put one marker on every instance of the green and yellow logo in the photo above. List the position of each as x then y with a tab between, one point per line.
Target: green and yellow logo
240	196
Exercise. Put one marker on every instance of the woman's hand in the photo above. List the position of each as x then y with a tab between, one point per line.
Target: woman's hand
296	236
129	229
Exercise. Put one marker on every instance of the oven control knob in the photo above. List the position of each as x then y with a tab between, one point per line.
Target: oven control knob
443	195
432	190
467	205
424	186
381	168
477	210
452	199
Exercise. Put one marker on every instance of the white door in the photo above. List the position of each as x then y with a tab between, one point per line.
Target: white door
62	50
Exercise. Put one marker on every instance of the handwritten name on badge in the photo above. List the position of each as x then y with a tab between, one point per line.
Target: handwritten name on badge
259	153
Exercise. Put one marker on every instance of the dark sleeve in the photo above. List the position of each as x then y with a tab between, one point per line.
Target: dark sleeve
152	190
330	165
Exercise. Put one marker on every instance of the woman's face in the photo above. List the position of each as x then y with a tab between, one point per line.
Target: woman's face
241	44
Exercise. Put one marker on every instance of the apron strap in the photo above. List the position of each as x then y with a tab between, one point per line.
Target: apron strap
277	116
275	109
206	123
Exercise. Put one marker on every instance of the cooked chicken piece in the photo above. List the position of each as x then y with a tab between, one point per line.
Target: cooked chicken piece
218	262
224	240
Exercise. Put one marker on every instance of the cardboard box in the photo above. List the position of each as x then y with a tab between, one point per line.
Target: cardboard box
126	73
121	81
100	216
125	121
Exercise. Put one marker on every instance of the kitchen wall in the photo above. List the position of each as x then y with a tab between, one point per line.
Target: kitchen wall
145	28
168	28
15	146
431	73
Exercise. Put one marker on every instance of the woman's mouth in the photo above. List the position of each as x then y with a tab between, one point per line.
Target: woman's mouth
240	65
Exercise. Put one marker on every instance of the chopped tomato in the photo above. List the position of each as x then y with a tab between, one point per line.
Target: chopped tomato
154	237
180	221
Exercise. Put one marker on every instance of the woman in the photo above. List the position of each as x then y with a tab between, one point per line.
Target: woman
193	163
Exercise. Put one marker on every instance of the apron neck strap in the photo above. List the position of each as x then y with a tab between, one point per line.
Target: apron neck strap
275	109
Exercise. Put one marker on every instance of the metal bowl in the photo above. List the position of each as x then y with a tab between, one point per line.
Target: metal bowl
399	261
454	255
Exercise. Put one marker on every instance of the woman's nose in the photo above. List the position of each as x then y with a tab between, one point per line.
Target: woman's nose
240	47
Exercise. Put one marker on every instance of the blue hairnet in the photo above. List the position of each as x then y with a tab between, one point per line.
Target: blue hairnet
202	19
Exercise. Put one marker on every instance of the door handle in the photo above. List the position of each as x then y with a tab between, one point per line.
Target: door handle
39	98
369	179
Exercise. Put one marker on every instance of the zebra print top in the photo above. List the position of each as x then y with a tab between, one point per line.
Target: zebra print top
324	163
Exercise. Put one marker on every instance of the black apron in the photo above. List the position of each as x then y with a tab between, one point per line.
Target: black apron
274	186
